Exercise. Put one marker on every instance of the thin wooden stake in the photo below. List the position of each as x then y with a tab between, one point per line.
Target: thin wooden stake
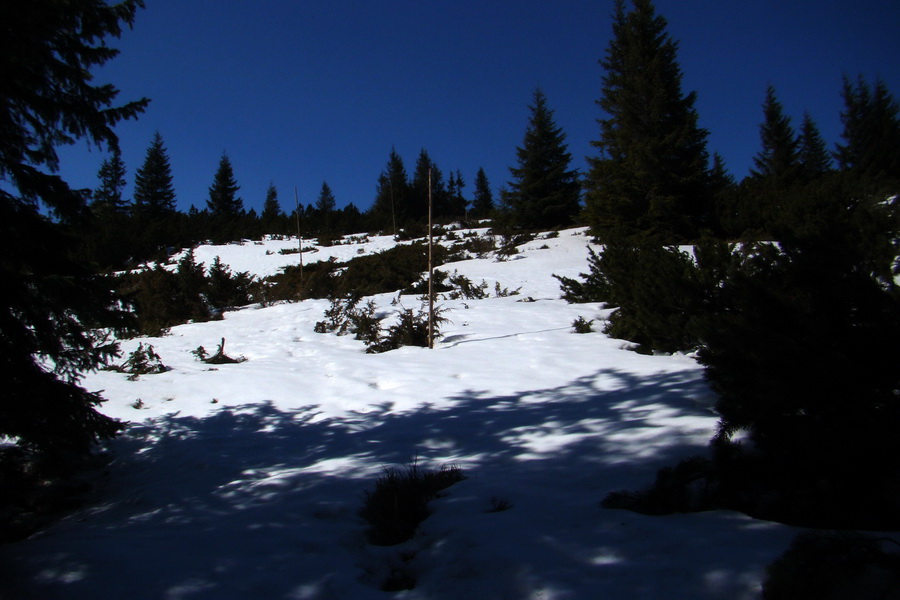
299	238
430	270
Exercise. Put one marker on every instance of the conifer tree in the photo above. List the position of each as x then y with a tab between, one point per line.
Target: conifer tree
154	194
223	199
51	302
107	199
779	161
325	207
391	205
651	177
271	208
871	131
420	185
483	201
544	191
812	153
326	204
455	205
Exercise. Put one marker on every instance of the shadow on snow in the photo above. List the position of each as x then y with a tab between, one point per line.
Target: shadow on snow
255	501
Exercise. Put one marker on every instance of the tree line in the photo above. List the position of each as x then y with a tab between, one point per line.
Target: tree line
122	231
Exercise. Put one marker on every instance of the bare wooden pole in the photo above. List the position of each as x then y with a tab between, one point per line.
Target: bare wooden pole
430	270
299	239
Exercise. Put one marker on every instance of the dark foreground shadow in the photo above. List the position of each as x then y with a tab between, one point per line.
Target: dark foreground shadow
259	502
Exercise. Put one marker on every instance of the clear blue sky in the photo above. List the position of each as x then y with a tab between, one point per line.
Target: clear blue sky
298	92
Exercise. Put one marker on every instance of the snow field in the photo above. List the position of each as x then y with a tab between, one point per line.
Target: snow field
245	480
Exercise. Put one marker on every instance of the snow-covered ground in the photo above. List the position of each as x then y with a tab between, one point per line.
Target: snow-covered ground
245	480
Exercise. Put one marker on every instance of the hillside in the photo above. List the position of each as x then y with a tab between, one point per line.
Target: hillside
245	480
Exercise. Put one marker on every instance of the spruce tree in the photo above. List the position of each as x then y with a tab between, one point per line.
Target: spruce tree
778	163
651	177
107	198
325	207
871	131
53	303
223	199
812	153
544	191
154	194
326	204
420	188
391	206
271	208
483	201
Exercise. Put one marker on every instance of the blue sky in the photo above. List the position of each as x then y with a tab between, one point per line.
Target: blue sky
298	92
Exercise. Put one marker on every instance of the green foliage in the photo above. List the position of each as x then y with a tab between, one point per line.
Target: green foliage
593	286
651	178
544	192
871	132
582	325
483	202
222	193
819	319
154	195
344	317
387	271
466	289
779	160
399	502
659	292
51	301
162	298
142	361
411	329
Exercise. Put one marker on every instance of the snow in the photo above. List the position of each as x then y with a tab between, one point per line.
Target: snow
245	480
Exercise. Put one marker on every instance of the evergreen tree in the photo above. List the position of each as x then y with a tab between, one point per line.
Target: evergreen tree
325	207
51	302
652	173
544	192
223	200
457	205
871	131
154	195
107	198
420	186
271	207
813	156
273	218
483	202
779	161
326	203
392	199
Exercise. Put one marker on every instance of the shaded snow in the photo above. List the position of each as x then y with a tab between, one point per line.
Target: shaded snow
245	480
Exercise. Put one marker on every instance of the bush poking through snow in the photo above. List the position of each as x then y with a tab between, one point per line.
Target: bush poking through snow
499	504
400	501
142	361
410	330
581	325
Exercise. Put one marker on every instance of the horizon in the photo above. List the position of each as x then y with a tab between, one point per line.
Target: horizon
302	93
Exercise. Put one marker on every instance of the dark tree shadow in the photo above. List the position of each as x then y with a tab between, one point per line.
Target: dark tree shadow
255	501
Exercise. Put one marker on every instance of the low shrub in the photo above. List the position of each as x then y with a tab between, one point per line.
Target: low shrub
400	500
581	325
142	361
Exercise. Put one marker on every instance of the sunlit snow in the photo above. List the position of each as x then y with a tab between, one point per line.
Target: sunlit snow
245	480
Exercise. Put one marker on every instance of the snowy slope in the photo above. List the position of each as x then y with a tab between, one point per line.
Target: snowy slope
245	480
